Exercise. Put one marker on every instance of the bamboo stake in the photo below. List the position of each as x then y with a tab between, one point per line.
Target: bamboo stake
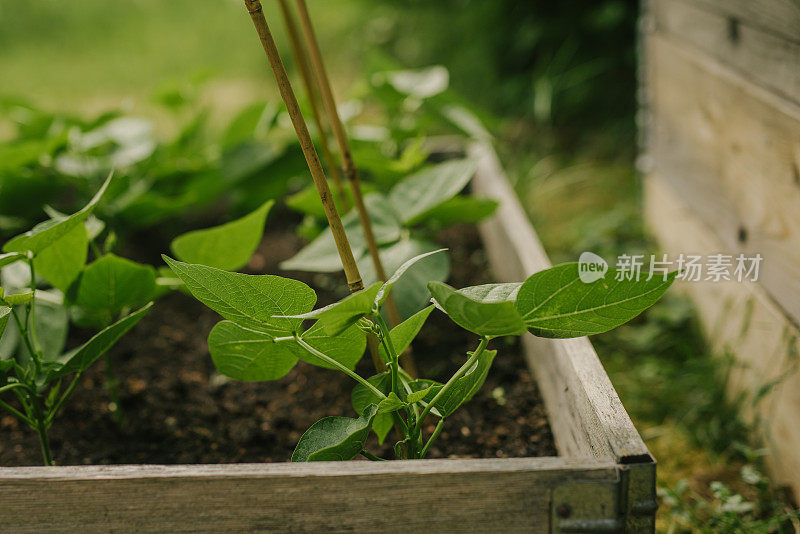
349	265
307	77
350	171
306	144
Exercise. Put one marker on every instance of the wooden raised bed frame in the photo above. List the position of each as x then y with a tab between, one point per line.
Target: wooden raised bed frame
602	481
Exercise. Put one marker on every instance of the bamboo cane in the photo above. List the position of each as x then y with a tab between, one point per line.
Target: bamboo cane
306	144
307	76
354	281
350	170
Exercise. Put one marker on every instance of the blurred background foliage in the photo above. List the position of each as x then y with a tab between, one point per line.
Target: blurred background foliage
554	83
570	63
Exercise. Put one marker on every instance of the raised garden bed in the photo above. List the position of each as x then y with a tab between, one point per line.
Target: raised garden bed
602	479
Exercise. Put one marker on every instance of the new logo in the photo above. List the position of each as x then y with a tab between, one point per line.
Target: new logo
591	267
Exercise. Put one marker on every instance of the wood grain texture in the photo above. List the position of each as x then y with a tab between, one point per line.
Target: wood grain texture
454	495
733	151
585	413
764	58
742	320
780	17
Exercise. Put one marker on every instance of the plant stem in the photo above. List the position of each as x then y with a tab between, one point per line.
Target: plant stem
458	374
307	77
436	432
112	385
21	416
31	319
386	339
306	144
23	330
16	385
41	430
366	454
95	249
352	374
54	411
350	170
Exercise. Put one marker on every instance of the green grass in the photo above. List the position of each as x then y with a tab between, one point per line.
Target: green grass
93	53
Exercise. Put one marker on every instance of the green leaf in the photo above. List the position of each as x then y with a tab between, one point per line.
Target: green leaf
257	302
253	121
247	355
555	303
11	257
410	291
337	317
82	357
321	254
361	397
52	324
227	247
417	396
108	286
383	292
423	191
382	425
420	83
247	159
346	348
335	438
486	310
307	202
45	234
403	334
461	210
94	226
390	404
61	262
5	313
465	387
16	300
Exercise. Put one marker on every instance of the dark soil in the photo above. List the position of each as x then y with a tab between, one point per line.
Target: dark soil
178	410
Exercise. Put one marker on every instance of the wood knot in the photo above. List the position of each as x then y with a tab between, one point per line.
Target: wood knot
734	32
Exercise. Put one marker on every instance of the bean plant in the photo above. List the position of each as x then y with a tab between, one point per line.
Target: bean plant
45	283
270	324
402	220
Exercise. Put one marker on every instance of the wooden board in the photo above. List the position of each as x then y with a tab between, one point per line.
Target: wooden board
585	413
763	58
742	320
779	17
732	150
452	495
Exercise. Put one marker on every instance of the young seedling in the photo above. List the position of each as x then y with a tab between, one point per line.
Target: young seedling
32	364
264	334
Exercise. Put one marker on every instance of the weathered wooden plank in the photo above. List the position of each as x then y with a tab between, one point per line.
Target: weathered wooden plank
733	151
742	320
780	17
764	58
510	495
585	413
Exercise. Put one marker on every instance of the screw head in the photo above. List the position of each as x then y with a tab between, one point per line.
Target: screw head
564	510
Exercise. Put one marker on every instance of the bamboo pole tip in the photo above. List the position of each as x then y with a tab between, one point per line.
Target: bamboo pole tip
253	6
